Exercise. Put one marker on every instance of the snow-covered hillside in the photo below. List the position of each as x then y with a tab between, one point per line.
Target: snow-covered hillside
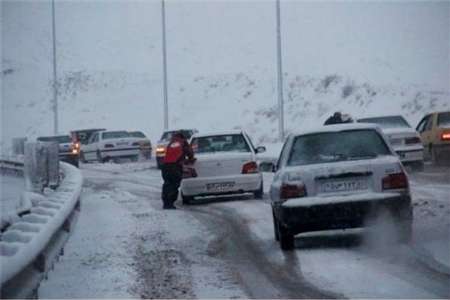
363	59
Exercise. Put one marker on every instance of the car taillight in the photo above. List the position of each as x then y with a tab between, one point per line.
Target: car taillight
445	136
189	172
412	140
288	191
250	168
109	146
395	181
74	151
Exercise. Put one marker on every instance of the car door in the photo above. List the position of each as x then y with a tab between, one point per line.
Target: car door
90	153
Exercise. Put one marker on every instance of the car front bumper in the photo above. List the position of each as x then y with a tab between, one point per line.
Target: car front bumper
343	213
221	185
120	152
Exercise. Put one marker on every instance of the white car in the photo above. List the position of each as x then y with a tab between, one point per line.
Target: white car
144	143
336	177
105	145
404	139
226	164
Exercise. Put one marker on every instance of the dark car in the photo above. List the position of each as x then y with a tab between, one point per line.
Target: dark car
68	150
164	141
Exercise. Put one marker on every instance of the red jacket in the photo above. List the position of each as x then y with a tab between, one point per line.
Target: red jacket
177	151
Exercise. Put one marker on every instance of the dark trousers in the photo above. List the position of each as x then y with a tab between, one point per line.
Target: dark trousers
172	175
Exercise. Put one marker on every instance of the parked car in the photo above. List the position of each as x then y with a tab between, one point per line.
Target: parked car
225	164
144	143
164	141
105	145
403	138
434	129
337	177
68	151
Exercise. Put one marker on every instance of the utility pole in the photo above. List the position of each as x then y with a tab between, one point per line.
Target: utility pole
55	84
166	102
280	76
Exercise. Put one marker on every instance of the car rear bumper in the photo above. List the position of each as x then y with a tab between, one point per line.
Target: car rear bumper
349	213
221	185
413	154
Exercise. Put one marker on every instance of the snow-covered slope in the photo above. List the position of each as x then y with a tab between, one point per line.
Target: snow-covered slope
221	75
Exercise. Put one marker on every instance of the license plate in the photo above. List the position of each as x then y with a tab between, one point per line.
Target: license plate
219	186
343	186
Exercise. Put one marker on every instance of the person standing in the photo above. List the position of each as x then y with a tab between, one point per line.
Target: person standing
177	151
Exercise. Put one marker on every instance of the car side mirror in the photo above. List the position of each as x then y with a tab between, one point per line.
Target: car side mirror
267	166
260	149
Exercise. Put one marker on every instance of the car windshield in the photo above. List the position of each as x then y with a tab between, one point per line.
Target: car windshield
168	134
62	139
387	122
137	134
114	134
336	146
220	143
444	119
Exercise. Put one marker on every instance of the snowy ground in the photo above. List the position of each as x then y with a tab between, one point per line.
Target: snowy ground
125	245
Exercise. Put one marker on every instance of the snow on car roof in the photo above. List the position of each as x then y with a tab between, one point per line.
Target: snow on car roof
219	132
337	128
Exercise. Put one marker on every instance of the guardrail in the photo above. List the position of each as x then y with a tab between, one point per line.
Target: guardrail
30	246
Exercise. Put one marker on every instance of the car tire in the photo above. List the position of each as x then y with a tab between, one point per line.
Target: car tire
82	158
260	192
99	157
286	237
275	226
186	200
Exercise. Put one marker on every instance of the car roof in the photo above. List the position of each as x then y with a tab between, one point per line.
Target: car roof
337	128
221	132
380	116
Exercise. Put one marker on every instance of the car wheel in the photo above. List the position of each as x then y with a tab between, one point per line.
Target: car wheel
99	157
275	226
260	192
418	166
82	158
286	237
434	155
186	200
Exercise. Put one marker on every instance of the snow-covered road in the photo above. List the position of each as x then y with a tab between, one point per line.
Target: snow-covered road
125	245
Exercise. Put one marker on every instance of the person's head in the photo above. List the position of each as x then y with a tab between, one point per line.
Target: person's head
179	134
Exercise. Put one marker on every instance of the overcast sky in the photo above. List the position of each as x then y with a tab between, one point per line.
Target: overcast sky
385	42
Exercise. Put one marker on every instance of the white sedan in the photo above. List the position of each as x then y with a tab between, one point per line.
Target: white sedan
336	177
226	164
105	145
403	138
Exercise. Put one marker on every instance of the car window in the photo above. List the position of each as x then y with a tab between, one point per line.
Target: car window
92	138
250	141
443	119
336	146
220	143
137	134
62	139
429	124
114	135
283	154
387	122
421	126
